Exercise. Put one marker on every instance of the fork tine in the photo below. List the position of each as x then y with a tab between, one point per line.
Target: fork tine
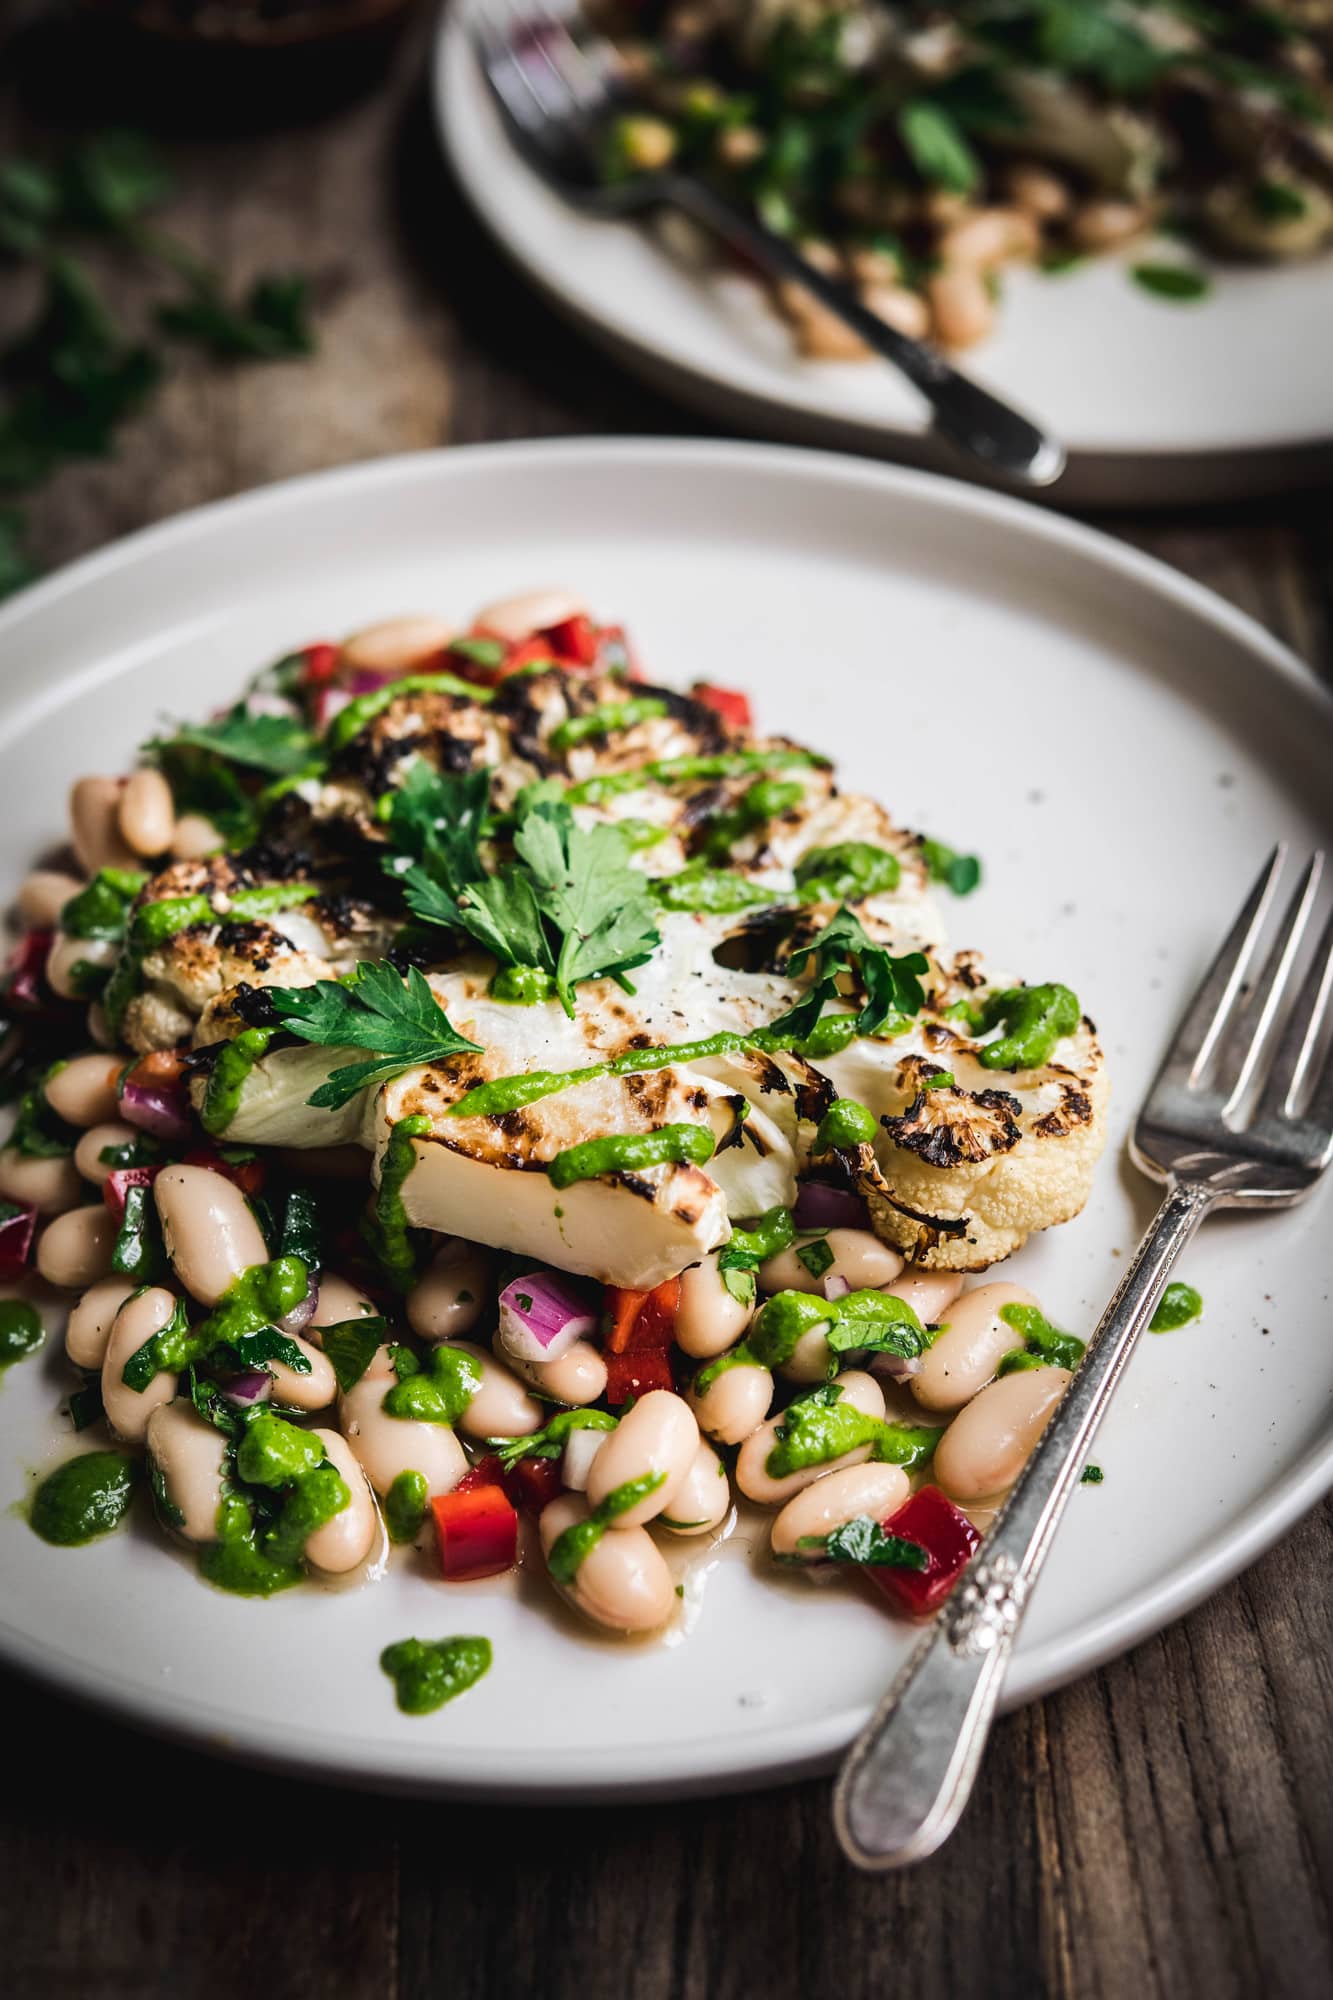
1211	1007
1248	1039
581	60
517	100
1290	1079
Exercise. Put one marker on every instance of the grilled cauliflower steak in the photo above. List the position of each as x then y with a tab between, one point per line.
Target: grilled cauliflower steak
604	958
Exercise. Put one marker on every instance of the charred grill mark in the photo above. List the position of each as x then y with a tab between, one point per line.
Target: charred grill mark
935	1226
1073	1111
252	1005
952	1128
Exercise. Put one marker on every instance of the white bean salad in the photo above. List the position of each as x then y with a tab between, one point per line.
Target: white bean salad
463	1084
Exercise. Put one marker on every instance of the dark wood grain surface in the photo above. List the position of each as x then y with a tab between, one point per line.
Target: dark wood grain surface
1165	1827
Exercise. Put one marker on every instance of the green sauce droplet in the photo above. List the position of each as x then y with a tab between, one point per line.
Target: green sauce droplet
427	1673
83	1498
21	1330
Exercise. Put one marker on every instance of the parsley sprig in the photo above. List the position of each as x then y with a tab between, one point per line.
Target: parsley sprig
892	989
570	906
400	1021
73	376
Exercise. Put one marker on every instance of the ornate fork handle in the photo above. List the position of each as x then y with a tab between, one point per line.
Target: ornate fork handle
908	1775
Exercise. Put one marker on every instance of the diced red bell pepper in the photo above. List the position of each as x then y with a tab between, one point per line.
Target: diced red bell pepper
533	1482
18	1221
477	1529
487	1471
641	1321
118	1184
931	1520
635	1374
25	980
525	654
615	655
729	703
247	1175
321	664
574	640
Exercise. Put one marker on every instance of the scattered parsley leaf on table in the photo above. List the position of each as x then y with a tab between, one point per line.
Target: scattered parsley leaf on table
401	1022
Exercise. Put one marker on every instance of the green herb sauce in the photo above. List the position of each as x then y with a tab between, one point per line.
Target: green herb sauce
631	1152
21	1330
1044	1345
405	1506
570	1550
426	1673
387	1227
227	1078
1178	1305
1034	1019
602	722
83	1498
250	1304
847	873
350	721
438	1393
845	1123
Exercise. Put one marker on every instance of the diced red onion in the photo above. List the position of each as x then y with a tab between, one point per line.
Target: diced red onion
819	1206
16	1234
330	701
252	1387
162	1109
300	1316
369	680
896	1367
581	1448
541	1315
835	1287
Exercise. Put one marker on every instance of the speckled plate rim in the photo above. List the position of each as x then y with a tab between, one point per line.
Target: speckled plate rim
710	1764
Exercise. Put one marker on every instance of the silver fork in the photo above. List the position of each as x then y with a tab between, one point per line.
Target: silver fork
559	85
1240	1116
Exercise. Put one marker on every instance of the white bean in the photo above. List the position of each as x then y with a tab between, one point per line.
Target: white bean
211	1235
516	618
75	1249
987	237
928	1293
987	1445
387	1446
858	1257
1100	225
702	1500
859	1390
577	1376
194	837
907	312
94	825
43	895
708	1319
501	1407
734	1403
449	1296
966	1357
99	1028
146	816
809	1359
67	953
623	1582
659	1438
1039	193
128	1410
961	306
314	1391
338	1301
396	645
84	1091
190	1458
345	1541
839	1497
88	1328
51	1186
94	1142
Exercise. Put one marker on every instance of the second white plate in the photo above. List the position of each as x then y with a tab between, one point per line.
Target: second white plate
1157	403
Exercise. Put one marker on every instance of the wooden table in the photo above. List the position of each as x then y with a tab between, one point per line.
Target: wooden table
1165	1827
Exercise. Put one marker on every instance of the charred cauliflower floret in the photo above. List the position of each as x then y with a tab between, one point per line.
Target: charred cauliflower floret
967	1169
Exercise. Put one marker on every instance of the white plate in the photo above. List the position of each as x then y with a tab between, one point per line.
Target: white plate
1156	402
1120	747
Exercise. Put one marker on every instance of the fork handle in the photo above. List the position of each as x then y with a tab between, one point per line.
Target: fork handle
968	415
907	1777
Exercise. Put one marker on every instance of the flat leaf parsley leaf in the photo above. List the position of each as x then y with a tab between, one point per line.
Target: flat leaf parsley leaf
585	886
277	744
892	986
402	1022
